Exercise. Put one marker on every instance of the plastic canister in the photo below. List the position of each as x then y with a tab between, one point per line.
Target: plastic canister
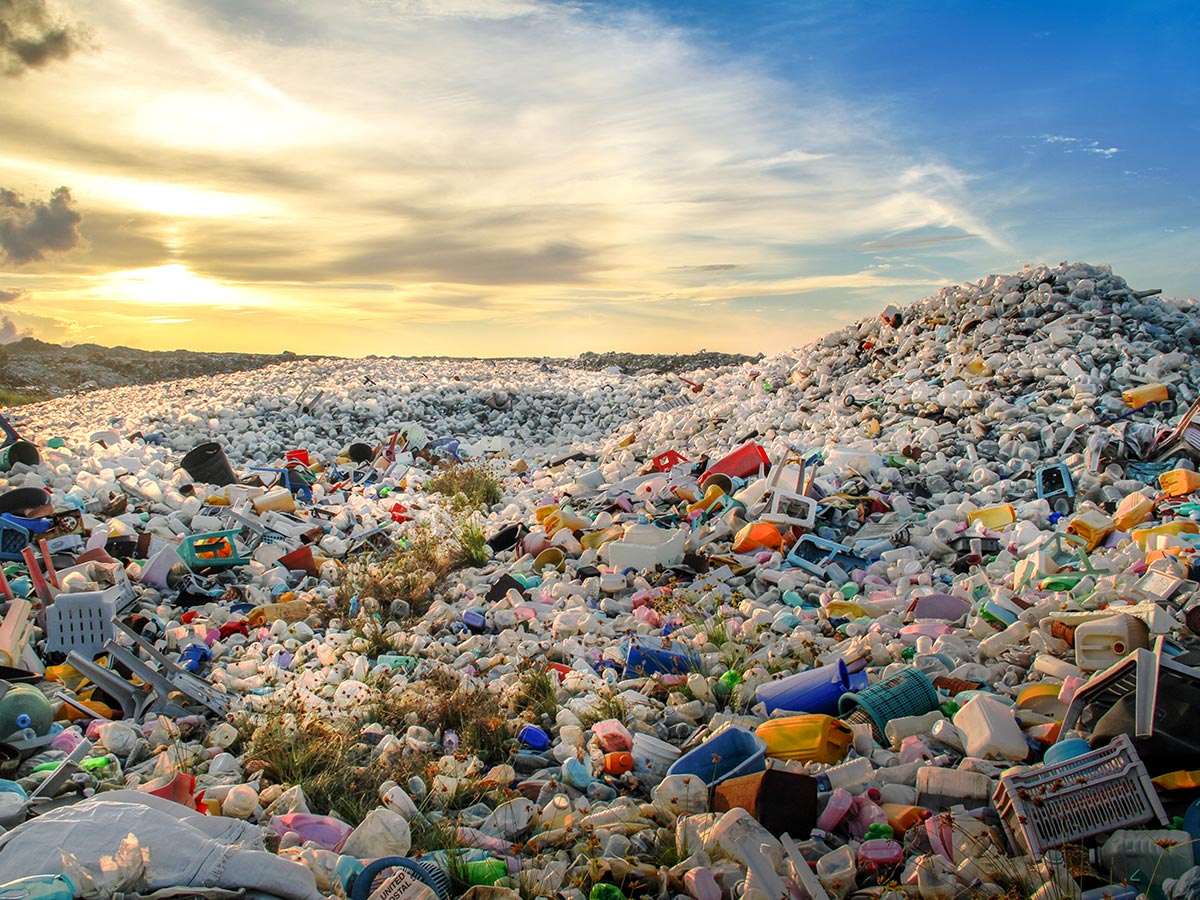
990	729
1102	642
1138	397
618	762
277	499
1093	526
814	738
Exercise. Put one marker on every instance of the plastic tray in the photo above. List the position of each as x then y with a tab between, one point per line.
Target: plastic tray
215	549
1099	792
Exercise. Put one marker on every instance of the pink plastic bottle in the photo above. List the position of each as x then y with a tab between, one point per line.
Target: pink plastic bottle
700	884
836	807
865	813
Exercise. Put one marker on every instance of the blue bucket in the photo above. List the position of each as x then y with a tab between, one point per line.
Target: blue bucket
814	691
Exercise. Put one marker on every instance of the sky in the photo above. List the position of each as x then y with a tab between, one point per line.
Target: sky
544	177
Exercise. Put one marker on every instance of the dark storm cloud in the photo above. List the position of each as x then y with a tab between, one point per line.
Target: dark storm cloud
30	230
32	37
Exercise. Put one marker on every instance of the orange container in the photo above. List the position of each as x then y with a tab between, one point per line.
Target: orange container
1148	393
618	763
808	738
1179	482
902	817
757	536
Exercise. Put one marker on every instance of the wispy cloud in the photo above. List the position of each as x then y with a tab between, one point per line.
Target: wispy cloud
1082	145
518	153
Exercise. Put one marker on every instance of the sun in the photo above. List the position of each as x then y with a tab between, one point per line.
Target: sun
173	285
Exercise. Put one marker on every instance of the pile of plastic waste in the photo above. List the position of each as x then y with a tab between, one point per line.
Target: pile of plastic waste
911	611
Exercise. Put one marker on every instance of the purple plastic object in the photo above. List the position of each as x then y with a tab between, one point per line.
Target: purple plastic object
324	831
945	607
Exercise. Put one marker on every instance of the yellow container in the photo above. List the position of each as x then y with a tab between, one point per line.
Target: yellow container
594	539
278	500
810	738
1147	393
1133	510
1179	482
994	518
543	512
1171	529
563	517
289	611
1093	526
710	497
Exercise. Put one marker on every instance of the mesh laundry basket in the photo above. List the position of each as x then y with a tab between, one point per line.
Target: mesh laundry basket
906	693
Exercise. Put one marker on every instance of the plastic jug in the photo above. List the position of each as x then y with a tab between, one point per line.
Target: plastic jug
812	738
994	518
990	729
902	817
1179	482
613	736
1160	853
1102	642
1093	526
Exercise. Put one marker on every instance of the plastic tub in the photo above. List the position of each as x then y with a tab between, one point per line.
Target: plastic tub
727	754
652	755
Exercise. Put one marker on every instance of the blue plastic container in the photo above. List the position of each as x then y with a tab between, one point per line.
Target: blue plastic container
647	656
1064	750
533	738
727	754
814	691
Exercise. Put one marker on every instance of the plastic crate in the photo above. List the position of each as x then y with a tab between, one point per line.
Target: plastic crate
81	622
1096	793
13	539
214	549
906	693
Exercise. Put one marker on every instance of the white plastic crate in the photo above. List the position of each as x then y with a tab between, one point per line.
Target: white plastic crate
1049	806
81	622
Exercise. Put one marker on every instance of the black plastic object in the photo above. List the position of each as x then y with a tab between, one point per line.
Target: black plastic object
360	453
208	463
23	499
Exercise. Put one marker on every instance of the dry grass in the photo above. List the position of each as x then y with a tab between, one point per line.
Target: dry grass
536	694
468	487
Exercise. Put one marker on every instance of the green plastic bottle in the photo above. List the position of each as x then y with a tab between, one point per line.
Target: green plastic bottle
604	891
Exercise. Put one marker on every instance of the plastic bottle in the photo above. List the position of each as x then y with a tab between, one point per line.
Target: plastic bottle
1160	853
850	775
836	809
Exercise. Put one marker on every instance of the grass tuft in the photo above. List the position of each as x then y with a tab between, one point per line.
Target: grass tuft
468	487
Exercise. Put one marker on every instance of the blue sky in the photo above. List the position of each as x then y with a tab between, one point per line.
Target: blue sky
495	177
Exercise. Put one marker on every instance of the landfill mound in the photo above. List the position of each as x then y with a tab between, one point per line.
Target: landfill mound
909	611
40	370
